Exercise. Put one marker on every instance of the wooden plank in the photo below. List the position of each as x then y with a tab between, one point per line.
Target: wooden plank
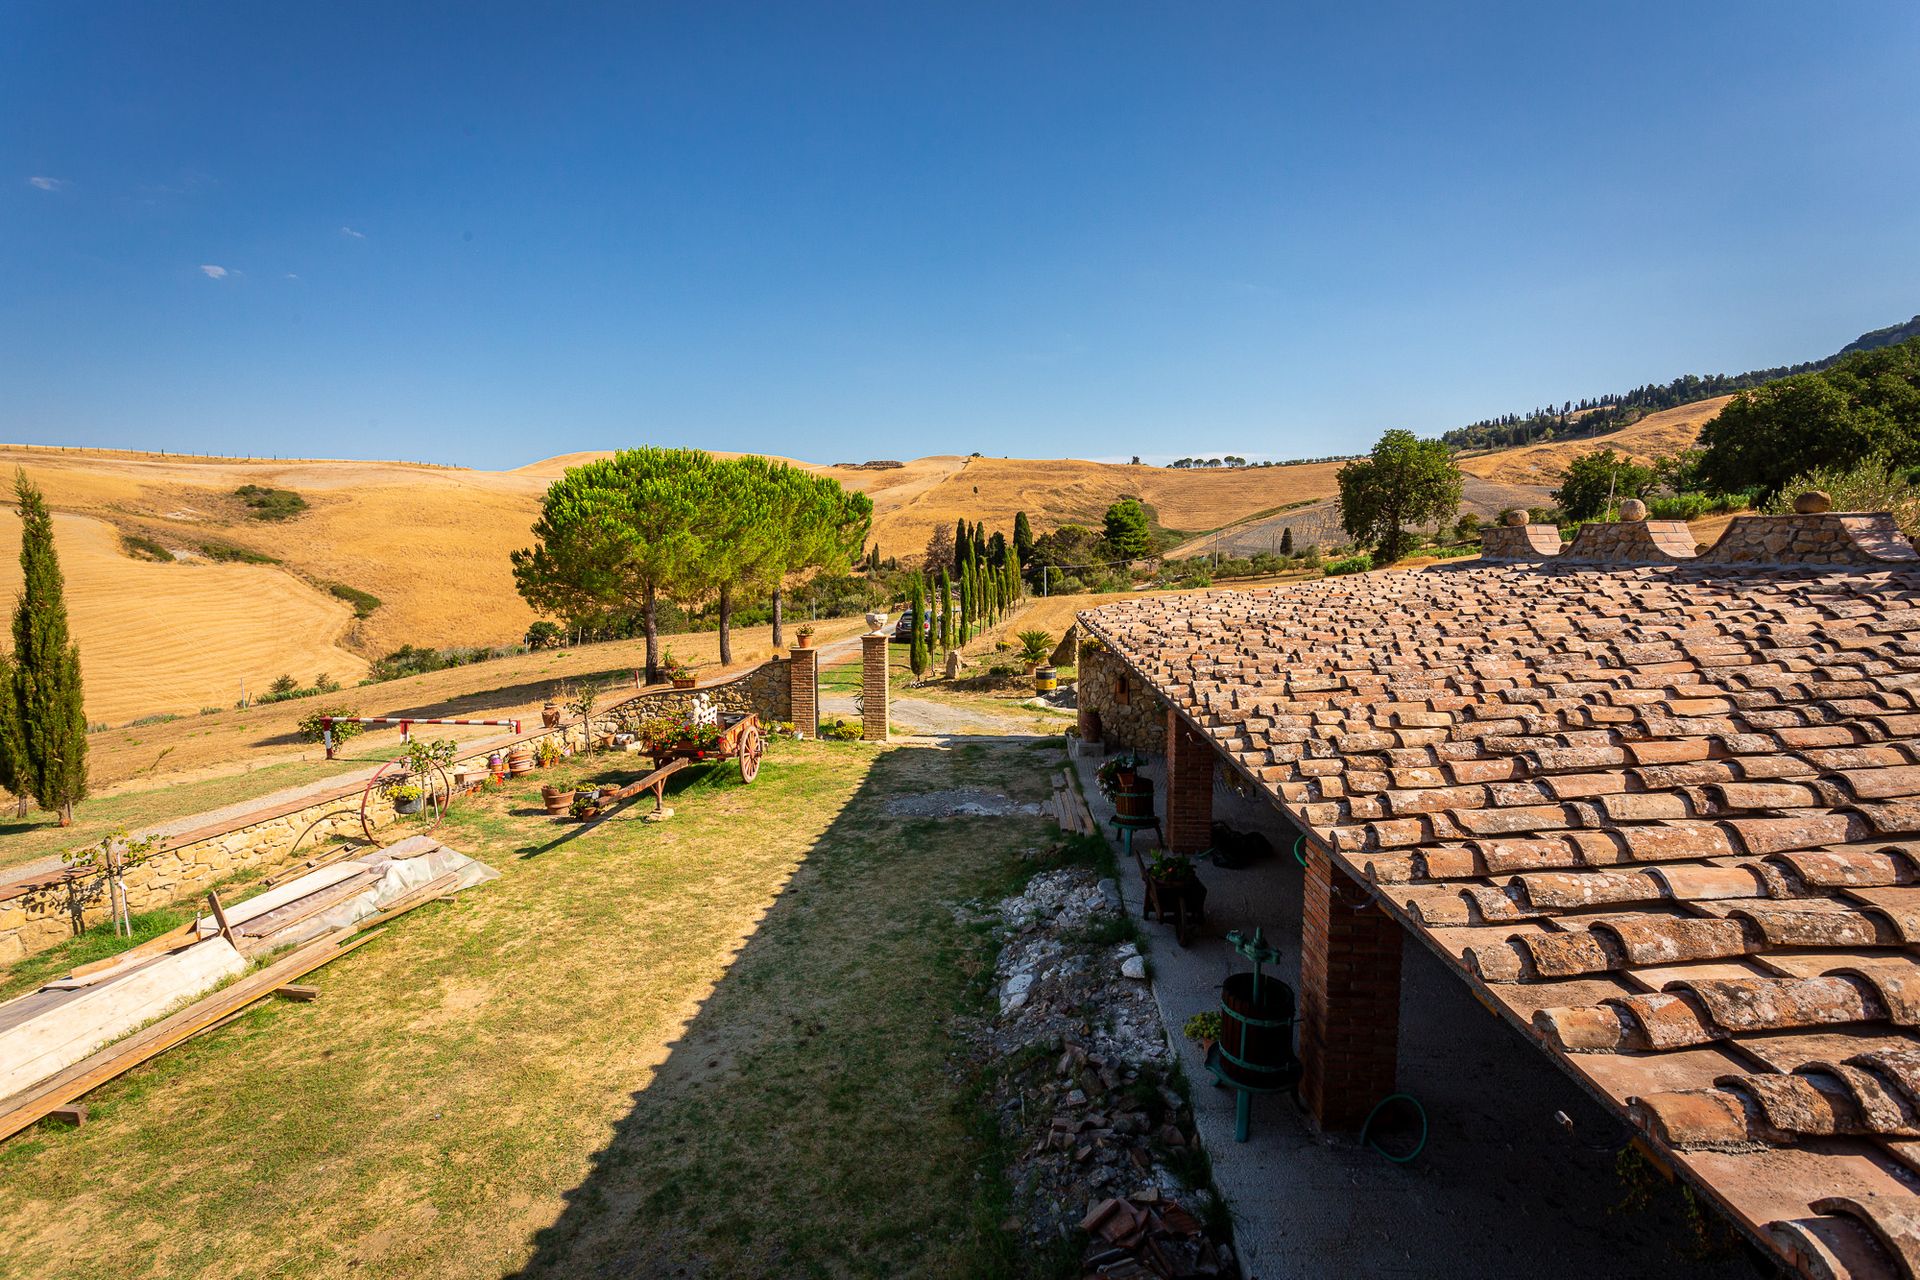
220	915
89	1073
172	940
298	992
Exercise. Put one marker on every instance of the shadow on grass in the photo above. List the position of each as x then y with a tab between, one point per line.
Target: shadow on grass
808	1120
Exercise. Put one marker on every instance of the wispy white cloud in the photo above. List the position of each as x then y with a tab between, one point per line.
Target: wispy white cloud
213	272
47	184
292	276
349	231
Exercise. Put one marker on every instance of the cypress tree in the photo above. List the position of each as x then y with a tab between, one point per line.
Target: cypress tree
1286	541
917	650
946	609
1022	538
48	712
959	544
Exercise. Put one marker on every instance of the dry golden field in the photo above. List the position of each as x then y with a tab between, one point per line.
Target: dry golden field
1666	432
432	543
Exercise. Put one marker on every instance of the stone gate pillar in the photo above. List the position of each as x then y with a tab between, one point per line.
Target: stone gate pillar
873	686
803	688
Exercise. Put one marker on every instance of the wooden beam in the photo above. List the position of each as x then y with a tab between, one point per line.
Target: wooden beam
220	916
75	1115
297	992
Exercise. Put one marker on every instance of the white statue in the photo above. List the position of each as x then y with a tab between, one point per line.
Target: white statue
704	712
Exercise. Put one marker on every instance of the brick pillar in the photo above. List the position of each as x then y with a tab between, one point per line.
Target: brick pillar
1349	997
803	689
1189	787
873	686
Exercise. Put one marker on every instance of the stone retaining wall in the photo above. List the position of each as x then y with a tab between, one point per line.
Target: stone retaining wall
1132	716
36	914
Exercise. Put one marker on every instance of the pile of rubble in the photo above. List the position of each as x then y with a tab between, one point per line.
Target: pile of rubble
1079	1071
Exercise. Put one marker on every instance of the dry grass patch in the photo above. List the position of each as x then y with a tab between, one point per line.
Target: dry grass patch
719	1043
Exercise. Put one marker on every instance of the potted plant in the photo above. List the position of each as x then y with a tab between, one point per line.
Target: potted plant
585	806
547	754
803	637
677	670
1119	773
555	800
1204	1030
406	796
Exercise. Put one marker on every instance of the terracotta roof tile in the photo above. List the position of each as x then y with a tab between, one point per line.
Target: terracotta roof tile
1669	815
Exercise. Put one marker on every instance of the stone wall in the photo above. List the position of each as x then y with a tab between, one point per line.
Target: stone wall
1632	542
1812	538
1132	716
198	852
1518	542
1824	538
764	690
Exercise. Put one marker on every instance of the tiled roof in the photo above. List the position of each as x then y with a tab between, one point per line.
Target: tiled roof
1664	817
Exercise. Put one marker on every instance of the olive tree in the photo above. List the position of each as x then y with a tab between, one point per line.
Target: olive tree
1405	481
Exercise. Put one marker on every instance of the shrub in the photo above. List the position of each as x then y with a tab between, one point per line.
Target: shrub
311	730
1035	645
1874	485
544	635
144	721
227	553
270	504
840	731
363	602
285	684
1351	564
141	547
1681	506
211	711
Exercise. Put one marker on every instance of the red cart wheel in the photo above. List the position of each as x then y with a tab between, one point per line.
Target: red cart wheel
751	749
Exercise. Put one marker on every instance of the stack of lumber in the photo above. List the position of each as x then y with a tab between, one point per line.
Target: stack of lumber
1070	808
51	1040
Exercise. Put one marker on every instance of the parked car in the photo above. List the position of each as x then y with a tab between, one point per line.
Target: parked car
903	629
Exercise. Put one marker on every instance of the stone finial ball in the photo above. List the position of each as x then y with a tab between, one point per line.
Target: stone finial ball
1633	509
1515	518
1813	502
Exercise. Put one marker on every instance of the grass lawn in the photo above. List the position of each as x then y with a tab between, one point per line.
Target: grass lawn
715	1046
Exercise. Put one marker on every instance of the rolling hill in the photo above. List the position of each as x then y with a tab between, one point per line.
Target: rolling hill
183	632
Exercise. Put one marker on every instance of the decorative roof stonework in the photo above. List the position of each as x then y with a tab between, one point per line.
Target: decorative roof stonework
1665	817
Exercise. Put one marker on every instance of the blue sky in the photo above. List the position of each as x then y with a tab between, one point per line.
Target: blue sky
485	234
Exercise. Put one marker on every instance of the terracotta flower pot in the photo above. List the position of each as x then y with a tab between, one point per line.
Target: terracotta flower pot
803	642
683	682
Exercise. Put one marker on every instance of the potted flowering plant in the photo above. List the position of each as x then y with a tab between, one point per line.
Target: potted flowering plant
803	637
585	806
1204	1030
677	670
1119	773
673	732
406	797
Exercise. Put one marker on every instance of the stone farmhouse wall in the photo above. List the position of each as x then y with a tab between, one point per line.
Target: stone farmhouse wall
1806	538
36	914
1132	716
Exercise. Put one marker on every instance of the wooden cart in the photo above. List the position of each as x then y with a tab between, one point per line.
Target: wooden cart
740	739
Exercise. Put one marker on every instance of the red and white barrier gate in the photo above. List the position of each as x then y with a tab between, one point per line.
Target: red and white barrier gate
406	724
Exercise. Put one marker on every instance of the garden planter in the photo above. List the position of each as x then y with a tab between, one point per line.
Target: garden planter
803	642
407	806
683	682
1256	1037
520	761
550	716
1045	679
556	801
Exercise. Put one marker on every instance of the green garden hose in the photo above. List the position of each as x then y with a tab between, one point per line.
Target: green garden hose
1298	845
1418	1147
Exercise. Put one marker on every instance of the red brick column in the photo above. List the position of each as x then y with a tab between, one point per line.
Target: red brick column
1349	997
803	687
873	686
1189	787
